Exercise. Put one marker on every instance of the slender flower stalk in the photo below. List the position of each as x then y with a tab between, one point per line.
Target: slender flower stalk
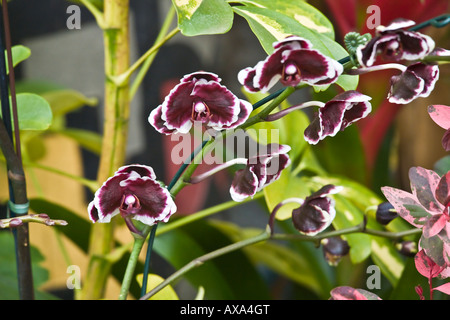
282	113
205	175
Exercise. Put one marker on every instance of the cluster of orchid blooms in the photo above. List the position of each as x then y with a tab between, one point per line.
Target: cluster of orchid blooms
200	97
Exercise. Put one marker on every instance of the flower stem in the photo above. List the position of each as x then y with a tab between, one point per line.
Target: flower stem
282	113
116	38
131	266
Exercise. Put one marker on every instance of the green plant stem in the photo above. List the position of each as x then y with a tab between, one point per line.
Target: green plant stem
131	266
116	112
266	235
149	60
203	214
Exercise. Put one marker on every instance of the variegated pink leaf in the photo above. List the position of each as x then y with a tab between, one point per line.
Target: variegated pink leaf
349	293
441	115
406	205
426	266
423	185
445	288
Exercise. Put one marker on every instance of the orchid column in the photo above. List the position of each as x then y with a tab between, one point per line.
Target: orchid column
116	110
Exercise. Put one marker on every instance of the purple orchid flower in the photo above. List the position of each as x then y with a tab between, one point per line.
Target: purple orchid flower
135	193
393	43
417	80
260	171
441	115
292	62
199	97
337	114
427	208
316	212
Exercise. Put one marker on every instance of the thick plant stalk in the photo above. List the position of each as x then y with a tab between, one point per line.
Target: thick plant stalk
116	110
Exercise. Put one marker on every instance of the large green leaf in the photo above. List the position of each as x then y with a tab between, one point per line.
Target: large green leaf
282	259
301	11
8	269
34	112
270	26
178	248
199	17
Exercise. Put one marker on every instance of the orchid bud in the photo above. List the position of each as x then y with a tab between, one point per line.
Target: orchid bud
385	213
334	249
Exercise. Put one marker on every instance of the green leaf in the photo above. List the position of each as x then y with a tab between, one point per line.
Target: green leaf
442	166
301	11
200	17
347	215
8	269
178	248
89	140
287	186
19	53
34	112
77	229
167	293
270	26
288	262
67	100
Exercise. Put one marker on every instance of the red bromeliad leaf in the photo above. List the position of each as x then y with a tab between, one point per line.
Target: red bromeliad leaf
441	115
425	266
349	293
445	288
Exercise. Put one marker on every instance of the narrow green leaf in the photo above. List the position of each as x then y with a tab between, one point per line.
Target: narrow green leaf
270	26
178	248
301	11
67	100
200	17
89	140
167	293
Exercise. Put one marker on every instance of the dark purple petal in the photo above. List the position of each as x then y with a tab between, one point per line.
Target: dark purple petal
195	76
399	23
224	107
313	133
157	122
367	54
331	116
142	170
317	212
275	166
313	67
93	212
108	198
429	73
293	42
156	202
415	45
177	107
269	71
423	185
246	78
405	87
443	190
245	109
244	184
